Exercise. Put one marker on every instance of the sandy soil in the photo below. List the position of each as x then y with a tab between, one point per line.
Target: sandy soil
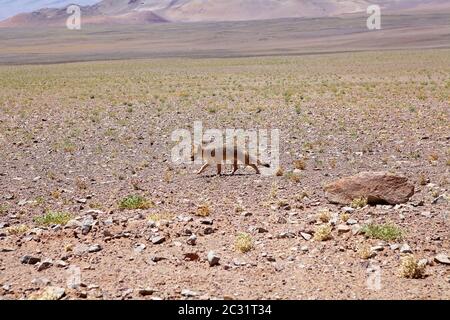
82	137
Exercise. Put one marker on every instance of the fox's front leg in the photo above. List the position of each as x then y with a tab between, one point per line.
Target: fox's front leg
206	165
219	169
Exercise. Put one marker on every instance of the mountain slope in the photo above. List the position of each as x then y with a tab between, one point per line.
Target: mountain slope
155	11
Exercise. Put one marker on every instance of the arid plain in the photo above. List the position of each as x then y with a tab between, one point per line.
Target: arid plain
89	192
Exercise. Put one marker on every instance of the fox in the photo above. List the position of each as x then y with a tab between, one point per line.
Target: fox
211	154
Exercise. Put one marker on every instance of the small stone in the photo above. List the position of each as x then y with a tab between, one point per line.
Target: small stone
191	256
146	292
246	214
94	248
139	247
192	240
206	221
441	199
208	230
213	259
306	236
156	259
87	224
45	264
356	229
27	259
61	264
258	230
189	293
342	228
304	249
405	248
348	209
377	248
158	240
352	222
80	249
94	213
426	214
82	201
286	235
53	293
73	224
442	258
281	220
6	249
41	281
394	246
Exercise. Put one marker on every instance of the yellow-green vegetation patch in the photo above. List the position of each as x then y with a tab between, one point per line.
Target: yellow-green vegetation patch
244	242
160	216
359	203
412	268
203	211
324	216
386	231
17	230
135	202
53	217
3	209
323	233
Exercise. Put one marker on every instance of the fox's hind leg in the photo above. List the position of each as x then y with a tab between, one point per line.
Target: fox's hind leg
235	167
255	167
219	169
206	165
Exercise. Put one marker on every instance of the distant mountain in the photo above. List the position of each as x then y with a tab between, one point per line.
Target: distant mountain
9	8
157	11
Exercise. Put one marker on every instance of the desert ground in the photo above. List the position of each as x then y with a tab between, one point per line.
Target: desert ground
87	182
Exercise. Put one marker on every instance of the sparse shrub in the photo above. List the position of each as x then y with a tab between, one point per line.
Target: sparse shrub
274	191
3	209
433	157
203	211
359	203
322	233
135	202
56	194
244	242
53	217
81	184
293	177
423	180
324	216
411	268
168	175
387	231
160	216
300	164
95	205
344	217
17	230
300	196
212	110
365	251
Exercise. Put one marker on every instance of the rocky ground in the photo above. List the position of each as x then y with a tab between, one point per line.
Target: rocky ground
91	206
